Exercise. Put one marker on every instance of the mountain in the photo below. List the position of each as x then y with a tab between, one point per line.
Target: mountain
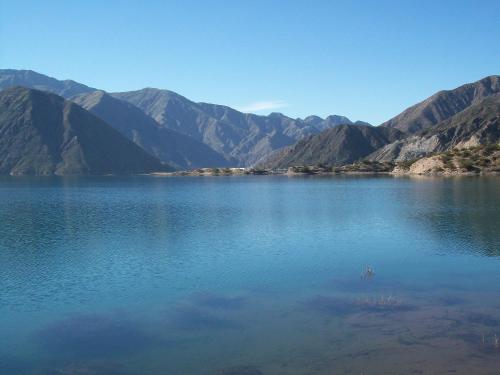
463	117
327	123
340	145
443	105
244	137
31	79
169	146
43	134
240	138
476	125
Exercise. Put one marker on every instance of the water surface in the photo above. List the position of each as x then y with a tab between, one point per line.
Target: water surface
249	275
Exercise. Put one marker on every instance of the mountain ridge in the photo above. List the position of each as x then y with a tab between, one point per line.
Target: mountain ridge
171	147
43	134
240	138
477	125
245	137
343	144
443	104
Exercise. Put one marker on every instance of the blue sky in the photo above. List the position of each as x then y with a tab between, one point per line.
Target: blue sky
367	60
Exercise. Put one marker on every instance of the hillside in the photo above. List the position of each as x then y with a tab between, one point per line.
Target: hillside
476	125
244	137
443	105
472	160
43	134
169	146
343	144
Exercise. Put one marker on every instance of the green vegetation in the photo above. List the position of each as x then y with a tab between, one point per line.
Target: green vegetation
483	158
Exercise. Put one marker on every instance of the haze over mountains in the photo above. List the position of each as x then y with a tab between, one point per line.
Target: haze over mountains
152	129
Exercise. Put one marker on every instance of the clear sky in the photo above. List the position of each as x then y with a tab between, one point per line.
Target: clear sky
367	60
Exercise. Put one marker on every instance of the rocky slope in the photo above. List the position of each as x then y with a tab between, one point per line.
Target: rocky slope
343	144
443	105
171	147
470	160
43	134
478	124
244	137
466	116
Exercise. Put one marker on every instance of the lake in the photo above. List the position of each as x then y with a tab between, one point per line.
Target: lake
249	275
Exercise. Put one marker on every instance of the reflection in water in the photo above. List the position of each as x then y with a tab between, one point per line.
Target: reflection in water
249	275
462	210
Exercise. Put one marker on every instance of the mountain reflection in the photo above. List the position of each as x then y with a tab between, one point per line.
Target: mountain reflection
461	210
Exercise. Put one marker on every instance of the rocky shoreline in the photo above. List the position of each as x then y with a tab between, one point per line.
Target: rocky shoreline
478	160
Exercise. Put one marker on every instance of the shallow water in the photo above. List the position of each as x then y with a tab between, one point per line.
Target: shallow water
249	275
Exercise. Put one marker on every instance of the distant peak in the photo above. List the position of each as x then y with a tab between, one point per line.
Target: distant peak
313	118
276	114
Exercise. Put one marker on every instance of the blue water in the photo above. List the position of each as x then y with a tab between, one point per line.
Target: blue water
249	275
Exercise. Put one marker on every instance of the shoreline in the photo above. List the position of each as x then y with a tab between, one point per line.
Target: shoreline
327	174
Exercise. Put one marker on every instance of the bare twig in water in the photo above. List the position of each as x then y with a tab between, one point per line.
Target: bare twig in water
367	273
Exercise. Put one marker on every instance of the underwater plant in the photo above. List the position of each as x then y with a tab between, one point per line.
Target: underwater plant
367	273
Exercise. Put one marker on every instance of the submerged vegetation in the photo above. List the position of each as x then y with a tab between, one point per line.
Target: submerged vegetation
367	273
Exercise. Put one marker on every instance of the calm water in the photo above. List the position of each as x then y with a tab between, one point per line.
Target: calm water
249	275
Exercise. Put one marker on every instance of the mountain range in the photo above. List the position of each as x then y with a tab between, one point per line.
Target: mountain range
242	137
174	148
232	138
466	116
340	145
476	125
49	126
